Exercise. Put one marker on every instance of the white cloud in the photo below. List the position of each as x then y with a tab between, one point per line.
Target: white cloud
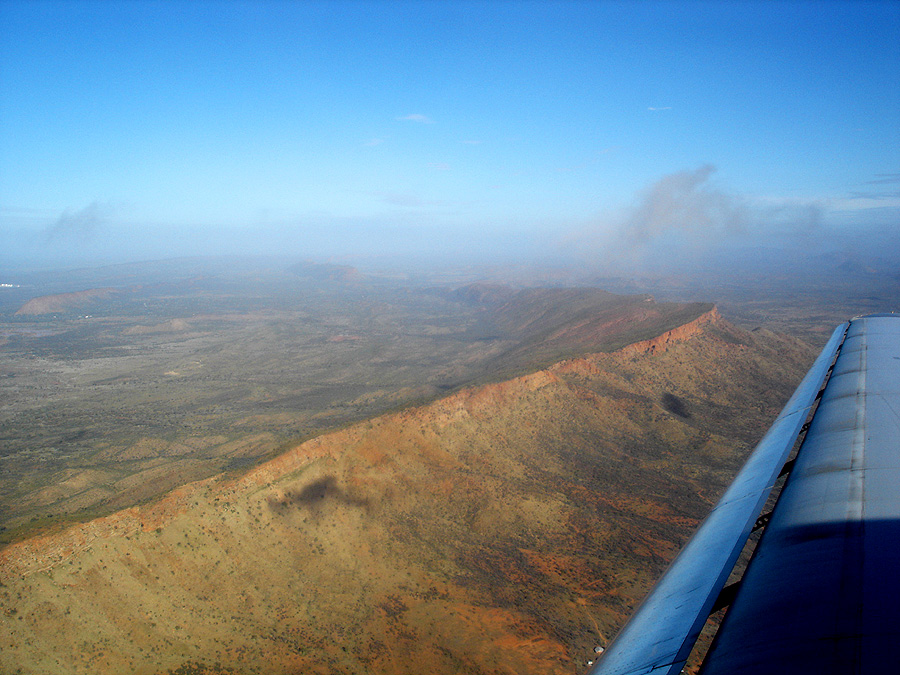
668	107
861	201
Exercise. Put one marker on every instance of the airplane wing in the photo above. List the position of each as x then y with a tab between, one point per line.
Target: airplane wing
819	594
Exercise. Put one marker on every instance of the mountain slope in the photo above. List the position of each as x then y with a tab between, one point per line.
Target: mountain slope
178	380
505	528
64	302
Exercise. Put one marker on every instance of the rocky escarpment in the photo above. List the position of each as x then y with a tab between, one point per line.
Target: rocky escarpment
662	341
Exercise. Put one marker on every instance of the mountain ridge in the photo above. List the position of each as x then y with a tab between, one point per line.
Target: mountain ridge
38	553
64	302
505	527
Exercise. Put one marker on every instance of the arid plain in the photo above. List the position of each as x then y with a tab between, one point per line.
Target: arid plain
311	470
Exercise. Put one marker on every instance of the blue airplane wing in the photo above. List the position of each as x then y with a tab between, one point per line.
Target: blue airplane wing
822	591
660	635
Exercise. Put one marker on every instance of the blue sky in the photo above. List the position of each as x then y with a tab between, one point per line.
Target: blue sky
145	129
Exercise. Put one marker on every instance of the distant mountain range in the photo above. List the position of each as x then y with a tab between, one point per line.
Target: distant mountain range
64	302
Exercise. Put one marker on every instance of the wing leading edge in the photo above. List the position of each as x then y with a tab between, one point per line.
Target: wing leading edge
660	635
821	593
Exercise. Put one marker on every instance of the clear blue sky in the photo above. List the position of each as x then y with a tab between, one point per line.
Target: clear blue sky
141	129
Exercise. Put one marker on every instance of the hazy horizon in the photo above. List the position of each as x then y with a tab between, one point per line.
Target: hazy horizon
609	137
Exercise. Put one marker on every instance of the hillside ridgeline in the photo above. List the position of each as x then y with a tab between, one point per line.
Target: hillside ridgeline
175	381
504	528
64	302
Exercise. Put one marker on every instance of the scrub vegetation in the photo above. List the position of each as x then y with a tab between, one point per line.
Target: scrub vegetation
505	526
176	372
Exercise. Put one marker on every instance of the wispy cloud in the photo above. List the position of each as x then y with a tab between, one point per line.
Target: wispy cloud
875	196
668	107
439	166
885	179
79	226
883	193
415	117
372	142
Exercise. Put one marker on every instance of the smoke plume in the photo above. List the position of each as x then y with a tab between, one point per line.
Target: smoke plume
80	226
684	201
684	220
